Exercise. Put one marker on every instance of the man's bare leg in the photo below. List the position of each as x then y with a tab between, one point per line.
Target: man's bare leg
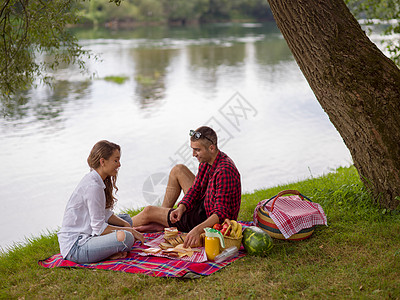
180	178
151	218
152	227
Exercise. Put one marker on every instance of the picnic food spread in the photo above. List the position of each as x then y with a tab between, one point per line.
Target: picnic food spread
222	241
171	243
172	246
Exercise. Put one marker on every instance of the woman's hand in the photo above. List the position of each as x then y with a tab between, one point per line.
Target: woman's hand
137	235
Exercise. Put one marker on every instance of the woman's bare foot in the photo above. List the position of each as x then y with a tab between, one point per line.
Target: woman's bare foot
118	255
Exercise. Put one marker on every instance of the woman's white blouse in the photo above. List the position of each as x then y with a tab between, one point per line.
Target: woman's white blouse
85	214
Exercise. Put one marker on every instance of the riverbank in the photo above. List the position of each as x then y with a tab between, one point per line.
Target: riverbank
130	24
357	255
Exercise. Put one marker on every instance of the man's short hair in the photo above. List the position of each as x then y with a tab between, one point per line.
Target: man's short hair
207	136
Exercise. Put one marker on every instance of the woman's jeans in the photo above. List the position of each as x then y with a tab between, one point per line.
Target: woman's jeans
101	247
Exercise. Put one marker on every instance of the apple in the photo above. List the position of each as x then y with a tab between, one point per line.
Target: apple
217	226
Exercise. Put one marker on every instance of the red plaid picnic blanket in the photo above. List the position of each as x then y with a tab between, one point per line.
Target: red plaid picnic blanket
291	214
156	266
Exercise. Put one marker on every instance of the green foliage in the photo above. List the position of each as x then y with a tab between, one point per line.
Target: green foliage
184	11
386	12
173	11
30	29
35	39
150	10
99	11
255	8
218	10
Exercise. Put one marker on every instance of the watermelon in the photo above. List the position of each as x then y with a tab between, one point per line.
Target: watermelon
256	241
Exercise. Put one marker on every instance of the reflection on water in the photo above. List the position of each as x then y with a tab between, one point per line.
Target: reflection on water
212	56
179	79
150	71
272	52
206	61
43	106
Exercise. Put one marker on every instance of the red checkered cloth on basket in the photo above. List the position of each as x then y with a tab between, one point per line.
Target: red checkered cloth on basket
156	266
291	214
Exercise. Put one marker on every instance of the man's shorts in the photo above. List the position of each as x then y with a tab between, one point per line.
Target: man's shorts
190	218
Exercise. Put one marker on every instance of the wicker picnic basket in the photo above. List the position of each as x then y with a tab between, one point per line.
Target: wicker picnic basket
230	242
267	224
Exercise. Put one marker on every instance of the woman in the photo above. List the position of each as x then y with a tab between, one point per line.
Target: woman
90	231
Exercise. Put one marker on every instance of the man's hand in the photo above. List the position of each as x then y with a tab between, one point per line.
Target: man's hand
176	214
192	239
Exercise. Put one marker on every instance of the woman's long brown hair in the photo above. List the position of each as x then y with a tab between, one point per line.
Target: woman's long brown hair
104	149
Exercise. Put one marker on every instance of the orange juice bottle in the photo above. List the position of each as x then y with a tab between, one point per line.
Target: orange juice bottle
213	242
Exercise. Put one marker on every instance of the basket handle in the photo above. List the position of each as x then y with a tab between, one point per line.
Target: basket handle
285	192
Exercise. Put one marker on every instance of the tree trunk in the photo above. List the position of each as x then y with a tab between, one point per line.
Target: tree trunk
356	85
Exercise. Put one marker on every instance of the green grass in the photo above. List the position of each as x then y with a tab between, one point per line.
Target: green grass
356	256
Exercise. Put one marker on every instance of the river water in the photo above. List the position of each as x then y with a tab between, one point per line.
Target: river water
241	79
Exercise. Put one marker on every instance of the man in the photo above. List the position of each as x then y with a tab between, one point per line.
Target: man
210	197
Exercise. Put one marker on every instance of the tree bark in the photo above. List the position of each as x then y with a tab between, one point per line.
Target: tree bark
355	83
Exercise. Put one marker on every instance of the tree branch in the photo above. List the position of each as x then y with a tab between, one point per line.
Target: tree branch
4	7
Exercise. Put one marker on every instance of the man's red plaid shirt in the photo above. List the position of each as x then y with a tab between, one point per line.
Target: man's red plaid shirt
218	186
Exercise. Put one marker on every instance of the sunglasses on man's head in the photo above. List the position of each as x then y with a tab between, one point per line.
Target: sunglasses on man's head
197	135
